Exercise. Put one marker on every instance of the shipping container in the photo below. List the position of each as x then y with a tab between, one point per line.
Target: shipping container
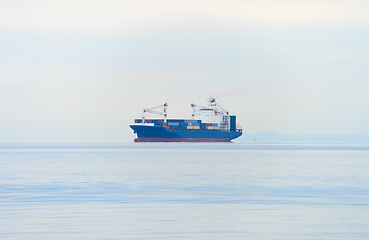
233	123
176	120
192	121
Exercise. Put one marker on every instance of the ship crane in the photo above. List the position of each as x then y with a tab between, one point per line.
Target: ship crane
223	109
151	110
194	110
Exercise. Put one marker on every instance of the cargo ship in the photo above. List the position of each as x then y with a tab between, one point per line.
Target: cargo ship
207	124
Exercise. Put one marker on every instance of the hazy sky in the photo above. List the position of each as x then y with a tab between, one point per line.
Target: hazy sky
81	71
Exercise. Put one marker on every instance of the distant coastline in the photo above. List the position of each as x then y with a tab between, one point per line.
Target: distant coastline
265	137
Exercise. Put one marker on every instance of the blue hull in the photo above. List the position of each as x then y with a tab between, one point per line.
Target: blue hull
162	134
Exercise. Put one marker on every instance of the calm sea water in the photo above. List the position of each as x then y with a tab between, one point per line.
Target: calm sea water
184	191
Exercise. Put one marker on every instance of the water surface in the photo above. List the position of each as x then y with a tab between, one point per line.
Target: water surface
184	191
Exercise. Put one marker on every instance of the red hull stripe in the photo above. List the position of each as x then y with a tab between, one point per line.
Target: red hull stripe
182	140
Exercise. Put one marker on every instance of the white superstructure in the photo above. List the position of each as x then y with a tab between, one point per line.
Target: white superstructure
213	113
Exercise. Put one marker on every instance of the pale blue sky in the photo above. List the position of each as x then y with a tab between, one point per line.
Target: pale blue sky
81	71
